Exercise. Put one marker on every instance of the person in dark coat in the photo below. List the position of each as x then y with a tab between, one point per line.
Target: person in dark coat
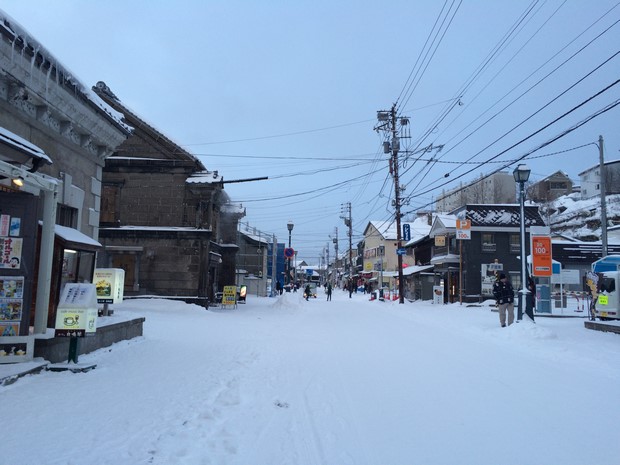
329	291
504	296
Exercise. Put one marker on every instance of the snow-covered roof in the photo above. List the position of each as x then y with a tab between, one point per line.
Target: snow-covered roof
447	258
257	237
233	208
500	215
205	177
416	269
419	228
73	235
611	162
21	38
19	143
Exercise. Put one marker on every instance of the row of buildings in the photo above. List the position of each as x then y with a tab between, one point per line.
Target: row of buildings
85	182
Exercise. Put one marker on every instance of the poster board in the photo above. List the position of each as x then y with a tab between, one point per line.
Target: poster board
229	296
110	284
77	311
438	295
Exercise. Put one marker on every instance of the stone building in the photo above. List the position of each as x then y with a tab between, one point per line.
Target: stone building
163	216
55	136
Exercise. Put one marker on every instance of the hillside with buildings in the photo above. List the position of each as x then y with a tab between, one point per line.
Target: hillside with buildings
572	216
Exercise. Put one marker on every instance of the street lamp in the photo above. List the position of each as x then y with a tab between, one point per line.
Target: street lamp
289	226
521	175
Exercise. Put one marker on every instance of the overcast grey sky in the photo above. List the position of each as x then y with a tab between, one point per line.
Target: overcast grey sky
290	90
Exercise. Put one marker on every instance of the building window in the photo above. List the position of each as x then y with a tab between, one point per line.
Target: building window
110	203
488	242
67	216
515	243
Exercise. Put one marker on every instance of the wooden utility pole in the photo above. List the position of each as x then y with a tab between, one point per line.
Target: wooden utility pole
603	199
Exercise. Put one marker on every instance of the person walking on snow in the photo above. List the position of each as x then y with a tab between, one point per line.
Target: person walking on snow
307	291
504	296
329	291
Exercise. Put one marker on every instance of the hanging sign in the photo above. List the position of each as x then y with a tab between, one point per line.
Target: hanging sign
406	232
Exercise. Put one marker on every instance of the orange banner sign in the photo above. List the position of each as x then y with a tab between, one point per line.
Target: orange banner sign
541	256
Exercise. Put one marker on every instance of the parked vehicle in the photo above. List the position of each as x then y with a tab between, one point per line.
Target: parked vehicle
607	271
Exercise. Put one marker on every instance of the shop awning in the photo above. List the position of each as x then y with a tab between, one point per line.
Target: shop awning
416	269
75	239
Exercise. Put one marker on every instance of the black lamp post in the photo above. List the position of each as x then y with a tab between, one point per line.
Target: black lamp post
521	175
289	226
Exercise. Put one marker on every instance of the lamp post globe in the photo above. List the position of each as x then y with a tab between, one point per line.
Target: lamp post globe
521	174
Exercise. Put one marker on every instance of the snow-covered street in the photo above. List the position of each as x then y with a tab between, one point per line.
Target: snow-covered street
285	381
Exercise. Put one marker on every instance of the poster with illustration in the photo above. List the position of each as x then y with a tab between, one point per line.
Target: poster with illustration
15	227
9	329
11	309
10	252
5	221
11	287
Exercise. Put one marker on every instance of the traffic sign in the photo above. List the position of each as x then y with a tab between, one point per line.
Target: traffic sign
289	252
401	251
463	229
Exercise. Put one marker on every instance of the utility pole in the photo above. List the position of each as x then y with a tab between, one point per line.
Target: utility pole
346	216
274	264
335	239
603	199
327	261
389	123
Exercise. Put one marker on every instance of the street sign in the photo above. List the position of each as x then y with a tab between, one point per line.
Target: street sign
401	251
406	232
289	252
463	229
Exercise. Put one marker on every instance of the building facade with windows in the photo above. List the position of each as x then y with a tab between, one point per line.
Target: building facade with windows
166	220
591	180
550	188
55	135
462	266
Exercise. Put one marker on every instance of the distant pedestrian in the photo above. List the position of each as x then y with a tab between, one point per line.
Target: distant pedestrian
504	296
279	288
307	291
329	291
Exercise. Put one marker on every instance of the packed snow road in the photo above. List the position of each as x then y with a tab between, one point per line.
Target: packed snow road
282	381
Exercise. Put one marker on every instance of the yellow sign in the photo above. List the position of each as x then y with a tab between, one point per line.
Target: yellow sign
368	266
229	296
603	300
